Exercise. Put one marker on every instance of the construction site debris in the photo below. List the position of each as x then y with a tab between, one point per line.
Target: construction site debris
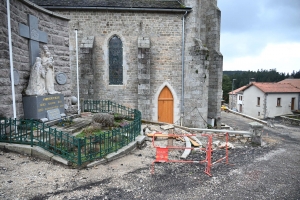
167	127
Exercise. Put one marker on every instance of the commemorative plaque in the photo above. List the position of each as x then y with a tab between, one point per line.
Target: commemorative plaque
37	107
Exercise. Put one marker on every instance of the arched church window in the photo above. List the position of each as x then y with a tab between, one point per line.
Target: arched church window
115	61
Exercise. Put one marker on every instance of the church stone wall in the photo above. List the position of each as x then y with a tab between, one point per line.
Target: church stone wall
203	64
164	31
202	60
58	40
213	19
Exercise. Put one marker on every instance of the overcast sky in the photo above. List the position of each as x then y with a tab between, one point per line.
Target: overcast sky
260	34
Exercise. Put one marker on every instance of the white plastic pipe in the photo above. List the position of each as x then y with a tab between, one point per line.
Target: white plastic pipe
11	60
78	100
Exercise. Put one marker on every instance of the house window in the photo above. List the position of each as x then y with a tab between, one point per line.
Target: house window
278	101
241	98
115	61
258	113
258	101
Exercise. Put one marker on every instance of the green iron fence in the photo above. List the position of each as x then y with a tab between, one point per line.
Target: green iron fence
76	150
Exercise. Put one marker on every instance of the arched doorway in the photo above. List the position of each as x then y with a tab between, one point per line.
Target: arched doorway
165	106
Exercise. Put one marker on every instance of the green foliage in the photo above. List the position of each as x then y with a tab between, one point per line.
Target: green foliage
296	74
226	86
182	6
80	135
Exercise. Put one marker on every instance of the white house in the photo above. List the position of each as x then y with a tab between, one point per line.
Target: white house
263	100
236	99
295	83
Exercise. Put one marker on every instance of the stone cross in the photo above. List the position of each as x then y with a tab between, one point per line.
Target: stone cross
34	35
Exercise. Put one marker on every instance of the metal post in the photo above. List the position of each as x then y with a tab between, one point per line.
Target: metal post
78	100
11	60
232	93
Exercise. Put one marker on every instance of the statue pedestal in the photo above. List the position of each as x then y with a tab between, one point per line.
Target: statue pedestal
40	107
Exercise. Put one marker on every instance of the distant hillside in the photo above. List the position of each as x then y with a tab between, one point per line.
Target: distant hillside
232	72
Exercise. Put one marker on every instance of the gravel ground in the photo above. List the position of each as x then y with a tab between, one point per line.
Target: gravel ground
267	172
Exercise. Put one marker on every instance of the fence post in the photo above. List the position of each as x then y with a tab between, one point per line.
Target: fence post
10	124
82	104
79	152
109	104
31	133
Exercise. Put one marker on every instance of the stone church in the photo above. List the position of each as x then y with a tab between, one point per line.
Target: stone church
160	57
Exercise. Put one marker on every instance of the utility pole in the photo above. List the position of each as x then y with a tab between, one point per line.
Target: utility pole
232	93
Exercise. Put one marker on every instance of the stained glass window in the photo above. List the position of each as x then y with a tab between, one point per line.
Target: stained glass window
115	61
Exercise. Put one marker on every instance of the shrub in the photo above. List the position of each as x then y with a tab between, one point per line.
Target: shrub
105	119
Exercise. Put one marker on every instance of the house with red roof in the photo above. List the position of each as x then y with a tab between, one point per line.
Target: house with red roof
263	100
236	99
293	82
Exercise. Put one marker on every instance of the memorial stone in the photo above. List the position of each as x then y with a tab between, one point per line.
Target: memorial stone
53	114
43	102
36	107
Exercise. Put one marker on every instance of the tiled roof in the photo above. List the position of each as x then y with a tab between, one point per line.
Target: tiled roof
274	87
294	82
174	4
237	90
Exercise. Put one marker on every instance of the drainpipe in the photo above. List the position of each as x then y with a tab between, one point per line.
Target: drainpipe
78	100
11	60
182	73
298	103
265	107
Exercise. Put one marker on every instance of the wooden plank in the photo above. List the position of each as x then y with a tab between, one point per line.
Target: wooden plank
194	143
159	135
196	140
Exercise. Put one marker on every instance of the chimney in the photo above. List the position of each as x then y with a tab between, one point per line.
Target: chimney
251	80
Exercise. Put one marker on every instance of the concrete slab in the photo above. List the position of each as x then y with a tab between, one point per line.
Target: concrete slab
41	153
3	144
60	160
112	156
19	148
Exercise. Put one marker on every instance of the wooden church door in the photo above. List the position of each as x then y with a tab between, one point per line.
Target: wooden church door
165	106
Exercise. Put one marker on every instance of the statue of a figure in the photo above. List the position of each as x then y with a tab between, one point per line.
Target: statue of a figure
47	62
42	75
36	85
